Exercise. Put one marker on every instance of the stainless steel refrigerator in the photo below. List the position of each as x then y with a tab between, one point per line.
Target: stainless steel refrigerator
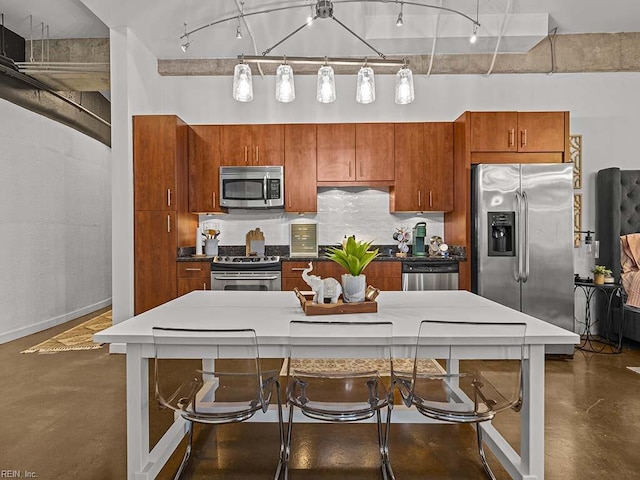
523	239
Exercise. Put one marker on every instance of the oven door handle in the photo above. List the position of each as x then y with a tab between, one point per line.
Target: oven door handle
245	277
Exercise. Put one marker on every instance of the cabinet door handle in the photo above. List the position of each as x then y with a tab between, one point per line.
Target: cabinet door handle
213	198
512	134
168	197
430	198
349	169
193	269
168	223
523	138
257	155
298	269
246	155
419	198
361	174
204	285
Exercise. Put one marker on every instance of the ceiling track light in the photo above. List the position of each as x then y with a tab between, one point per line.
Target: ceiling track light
185	45
399	21
474	36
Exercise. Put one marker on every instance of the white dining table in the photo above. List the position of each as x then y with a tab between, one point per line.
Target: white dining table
269	314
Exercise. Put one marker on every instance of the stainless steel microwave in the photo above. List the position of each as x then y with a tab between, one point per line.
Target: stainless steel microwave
252	187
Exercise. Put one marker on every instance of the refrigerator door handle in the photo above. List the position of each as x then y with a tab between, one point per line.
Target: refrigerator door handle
518	253
525	275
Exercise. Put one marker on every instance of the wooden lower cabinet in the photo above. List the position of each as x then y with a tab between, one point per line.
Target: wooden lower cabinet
193	276
385	275
155	259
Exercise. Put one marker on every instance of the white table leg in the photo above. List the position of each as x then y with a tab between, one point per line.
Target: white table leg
137	411
532	415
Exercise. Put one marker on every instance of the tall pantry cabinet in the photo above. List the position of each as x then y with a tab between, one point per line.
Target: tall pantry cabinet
162	221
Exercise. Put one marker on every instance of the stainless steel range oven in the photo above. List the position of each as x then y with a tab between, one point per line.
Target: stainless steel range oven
246	273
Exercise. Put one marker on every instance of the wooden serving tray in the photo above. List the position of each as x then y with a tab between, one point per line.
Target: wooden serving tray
310	308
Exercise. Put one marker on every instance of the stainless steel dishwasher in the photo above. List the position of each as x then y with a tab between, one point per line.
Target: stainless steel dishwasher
425	275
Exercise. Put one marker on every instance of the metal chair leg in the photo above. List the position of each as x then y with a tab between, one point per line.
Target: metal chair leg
383	445
185	459
281	459
287	449
487	469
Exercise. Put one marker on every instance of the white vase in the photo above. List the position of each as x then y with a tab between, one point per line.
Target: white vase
353	288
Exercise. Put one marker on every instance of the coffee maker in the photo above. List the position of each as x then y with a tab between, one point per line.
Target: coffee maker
419	234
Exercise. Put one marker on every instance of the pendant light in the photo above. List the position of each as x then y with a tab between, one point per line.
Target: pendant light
404	86
285	88
365	86
326	87
242	83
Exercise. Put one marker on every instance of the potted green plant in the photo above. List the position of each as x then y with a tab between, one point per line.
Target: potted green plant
599	272
354	256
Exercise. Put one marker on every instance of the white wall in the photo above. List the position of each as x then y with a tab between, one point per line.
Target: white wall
133	90
55	223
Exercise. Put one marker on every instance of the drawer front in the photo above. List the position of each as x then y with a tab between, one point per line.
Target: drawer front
194	269
294	269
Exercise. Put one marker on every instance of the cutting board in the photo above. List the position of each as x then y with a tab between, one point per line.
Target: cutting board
257	237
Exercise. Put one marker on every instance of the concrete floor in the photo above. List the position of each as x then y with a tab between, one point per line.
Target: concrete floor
64	417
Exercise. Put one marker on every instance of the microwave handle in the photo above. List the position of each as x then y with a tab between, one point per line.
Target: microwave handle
264	189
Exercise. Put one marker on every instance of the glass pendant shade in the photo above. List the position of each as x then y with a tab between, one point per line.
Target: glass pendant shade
404	86
285	88
365	87
242	84
326	85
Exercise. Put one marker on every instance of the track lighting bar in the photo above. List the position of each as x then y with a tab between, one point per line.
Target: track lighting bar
322	60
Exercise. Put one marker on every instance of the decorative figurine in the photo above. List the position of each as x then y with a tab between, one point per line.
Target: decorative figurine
322	287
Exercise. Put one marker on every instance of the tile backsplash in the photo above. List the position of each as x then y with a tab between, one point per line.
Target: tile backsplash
363	212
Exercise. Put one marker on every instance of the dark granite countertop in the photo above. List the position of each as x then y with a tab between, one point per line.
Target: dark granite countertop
186	254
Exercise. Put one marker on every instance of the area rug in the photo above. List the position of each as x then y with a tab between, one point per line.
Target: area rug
634	369
76	338
323	365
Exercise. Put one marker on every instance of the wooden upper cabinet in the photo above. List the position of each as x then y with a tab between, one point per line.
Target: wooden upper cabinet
423	168
408	194
268	145
350	153
374	151
300	188
204	163
156	148
517	132
438	142
541	131
250	145
336	152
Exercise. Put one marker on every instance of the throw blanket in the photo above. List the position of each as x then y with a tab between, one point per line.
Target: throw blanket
630	263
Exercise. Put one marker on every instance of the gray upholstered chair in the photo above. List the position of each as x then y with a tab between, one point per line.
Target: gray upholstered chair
617	213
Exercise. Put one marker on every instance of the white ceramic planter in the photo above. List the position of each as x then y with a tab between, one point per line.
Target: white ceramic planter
353	288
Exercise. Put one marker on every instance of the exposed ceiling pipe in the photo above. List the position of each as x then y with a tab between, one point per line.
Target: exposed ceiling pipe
435	38
503	29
